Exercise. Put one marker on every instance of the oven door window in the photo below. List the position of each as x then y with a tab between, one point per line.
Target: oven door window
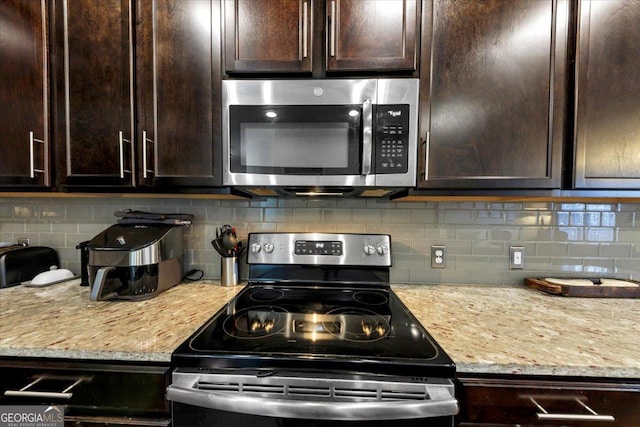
296	139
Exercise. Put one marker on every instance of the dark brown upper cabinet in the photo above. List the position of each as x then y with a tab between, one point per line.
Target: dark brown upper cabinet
365	35
607	117
178	92
24	104
94	96
493	93
316	36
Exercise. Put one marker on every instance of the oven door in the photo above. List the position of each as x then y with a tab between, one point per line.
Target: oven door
221	399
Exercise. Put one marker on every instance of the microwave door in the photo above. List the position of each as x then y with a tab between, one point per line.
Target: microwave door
310	145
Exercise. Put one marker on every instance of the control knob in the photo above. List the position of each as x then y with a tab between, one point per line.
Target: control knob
255	248
383	250
369	250
268	248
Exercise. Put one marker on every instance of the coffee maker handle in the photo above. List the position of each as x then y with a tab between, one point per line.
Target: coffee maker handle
98	284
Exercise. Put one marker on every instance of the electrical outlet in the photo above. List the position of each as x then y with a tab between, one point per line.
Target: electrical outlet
438	256
516	257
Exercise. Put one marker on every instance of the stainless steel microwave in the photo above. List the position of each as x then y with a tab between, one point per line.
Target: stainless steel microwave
320	135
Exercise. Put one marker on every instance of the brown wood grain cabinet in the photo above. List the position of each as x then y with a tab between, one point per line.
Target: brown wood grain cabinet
178	92
94	96
493	93
24	97
549	401
92	392
607	115
316	36
138	93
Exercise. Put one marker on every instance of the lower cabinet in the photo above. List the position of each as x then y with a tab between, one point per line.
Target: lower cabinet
522	401
92	393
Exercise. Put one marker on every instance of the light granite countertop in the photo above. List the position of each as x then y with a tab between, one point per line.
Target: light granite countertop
485	329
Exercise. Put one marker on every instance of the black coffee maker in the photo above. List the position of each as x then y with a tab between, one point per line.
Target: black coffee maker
135	261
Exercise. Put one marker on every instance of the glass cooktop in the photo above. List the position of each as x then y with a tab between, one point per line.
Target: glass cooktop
289	326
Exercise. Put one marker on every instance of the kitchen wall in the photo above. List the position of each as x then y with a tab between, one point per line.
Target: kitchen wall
585	239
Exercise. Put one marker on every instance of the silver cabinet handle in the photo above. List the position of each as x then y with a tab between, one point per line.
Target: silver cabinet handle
145	141
121	141
592	416
305	30
32	149
63	394
332	33
426	156
367	131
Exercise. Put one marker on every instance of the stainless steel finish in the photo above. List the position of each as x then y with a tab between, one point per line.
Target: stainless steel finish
32	167
319	194
426	156
121	141
98	284
353	249
229	271
332	31
321	92
305	29
171	245
315	397
62	394
145	168
367	130
592	416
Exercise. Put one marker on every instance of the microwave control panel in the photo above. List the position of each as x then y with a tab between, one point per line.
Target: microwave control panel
392	139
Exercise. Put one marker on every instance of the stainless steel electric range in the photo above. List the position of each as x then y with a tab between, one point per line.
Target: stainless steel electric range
317	337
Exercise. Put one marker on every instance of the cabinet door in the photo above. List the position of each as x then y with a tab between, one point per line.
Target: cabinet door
607	118
95	92
366	35
268	35
178	92
493	93
24	135
548	401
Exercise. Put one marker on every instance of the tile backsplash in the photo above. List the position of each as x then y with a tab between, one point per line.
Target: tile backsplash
559	239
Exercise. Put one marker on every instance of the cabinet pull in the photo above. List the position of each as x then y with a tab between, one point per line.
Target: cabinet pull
65	393
305	30
32	149
592	416
145	141
332	32
121	141
426	155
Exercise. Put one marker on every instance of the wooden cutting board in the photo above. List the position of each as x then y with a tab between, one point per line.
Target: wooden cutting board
607	288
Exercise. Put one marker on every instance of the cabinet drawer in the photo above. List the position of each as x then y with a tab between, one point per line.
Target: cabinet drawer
87	390
549	402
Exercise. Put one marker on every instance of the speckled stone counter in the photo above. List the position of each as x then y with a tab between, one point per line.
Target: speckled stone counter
60	321
516	330
485	329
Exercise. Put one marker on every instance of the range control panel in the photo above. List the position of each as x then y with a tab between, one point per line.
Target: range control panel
320	249
392	138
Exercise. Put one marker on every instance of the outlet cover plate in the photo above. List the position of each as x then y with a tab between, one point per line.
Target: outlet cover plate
438	256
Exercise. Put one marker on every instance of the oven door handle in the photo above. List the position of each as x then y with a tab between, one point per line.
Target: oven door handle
310	409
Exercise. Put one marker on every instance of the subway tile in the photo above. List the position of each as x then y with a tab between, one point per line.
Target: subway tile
472	233
278	215
504	234
426	276
600	234
400	275
409	260
338	216
551	249
598	266
614	250
475	263
426	216
521	218
309	215
396	216
441	233
367	216
487	247
456	216
582	250
491	217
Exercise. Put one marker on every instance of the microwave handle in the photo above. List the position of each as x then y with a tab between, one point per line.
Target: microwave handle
367	131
